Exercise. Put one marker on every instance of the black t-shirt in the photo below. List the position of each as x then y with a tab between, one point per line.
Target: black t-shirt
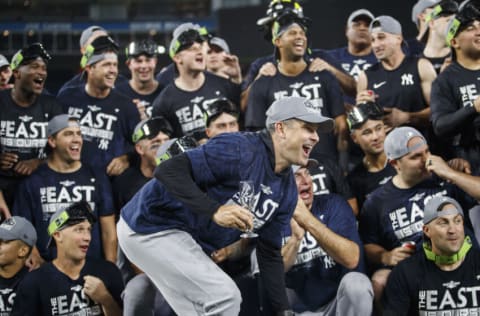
146	99
362	182
8	291
453	113
328	178
400	88
23	130
185	110
107	124
417	286
126	185
48	292
320	87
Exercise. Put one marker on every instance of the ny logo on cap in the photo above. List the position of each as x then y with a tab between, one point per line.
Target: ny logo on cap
8	223
309	105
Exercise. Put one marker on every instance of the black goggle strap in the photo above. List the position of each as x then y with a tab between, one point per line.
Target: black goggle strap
31	52
138	48
151	128
188	38
101	44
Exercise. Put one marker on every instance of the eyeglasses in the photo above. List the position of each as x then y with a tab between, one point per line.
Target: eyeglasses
151	127
137	48
33	51
444	8
219	106
99	45
362	112
188	38
180	145
467	13
77	211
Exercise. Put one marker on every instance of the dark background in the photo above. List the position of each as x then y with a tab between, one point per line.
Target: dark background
237	25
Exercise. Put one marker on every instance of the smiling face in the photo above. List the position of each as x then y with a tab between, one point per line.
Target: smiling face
102	75
292	44
446	233
67	144
467	42
293	141
30	78
142	68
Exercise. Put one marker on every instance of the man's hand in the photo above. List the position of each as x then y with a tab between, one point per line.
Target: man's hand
4	210
26	167
8	160
365	96
297	231
95	289
232	68
118	165
268	70
461	165
318	64
140	108
234	216
301	213
394	117
393	257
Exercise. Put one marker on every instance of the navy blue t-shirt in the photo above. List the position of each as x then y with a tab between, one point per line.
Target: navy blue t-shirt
185	110
107	124
391	215
8	291
352	64
47	291
320	87
46	191
315	275
145	99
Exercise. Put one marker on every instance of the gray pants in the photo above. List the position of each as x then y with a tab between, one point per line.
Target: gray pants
188	279
354	298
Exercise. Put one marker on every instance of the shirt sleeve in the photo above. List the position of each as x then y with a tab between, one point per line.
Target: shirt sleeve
27	299
368	223
447	118
257	105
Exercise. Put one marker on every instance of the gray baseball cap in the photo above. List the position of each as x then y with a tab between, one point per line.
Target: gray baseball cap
419	7
220	42
396	142
433	208
312	163
18	228
4	61
386	24
298	108
59	122
360	13
88	32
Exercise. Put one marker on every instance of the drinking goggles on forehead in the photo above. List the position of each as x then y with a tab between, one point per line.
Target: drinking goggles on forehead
100	45
151	127
145	47
362	112
218	107
78	211
467	13
29	53
285	20
175	147
187	39
444	8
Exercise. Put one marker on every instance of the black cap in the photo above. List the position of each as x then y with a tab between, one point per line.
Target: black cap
28	54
